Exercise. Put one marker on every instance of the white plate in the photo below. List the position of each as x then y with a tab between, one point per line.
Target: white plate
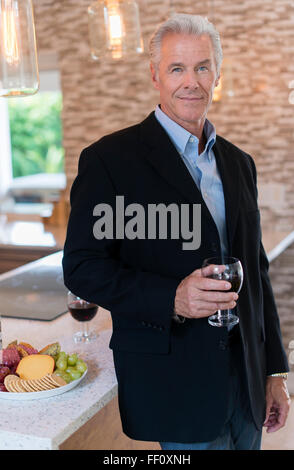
44	394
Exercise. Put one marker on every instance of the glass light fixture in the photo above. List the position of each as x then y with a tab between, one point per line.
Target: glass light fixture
114	28
19	74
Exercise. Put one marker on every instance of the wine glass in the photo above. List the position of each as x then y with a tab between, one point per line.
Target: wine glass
82	311
226	269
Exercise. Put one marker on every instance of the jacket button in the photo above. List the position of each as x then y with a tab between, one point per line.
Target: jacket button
222	345
214	247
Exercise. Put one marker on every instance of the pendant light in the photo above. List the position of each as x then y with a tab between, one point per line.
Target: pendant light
19	74
114	29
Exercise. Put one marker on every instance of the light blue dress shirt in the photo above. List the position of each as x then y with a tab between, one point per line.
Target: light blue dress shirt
202	168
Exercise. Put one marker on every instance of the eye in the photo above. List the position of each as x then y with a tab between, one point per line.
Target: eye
176	69
202	68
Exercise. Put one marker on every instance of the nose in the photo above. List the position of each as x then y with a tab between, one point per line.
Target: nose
191	80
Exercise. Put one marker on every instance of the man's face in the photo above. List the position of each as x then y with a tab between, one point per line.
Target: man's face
186	78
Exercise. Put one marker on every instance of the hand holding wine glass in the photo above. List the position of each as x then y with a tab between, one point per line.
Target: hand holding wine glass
227	269
82	311
198	296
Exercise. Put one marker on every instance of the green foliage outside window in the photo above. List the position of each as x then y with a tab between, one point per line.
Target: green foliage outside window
36	134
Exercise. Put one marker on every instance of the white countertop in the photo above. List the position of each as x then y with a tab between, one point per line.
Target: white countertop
45	424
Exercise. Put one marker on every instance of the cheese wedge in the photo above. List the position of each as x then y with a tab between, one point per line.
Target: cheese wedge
35	366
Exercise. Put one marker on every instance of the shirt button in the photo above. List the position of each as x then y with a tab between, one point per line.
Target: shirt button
191	139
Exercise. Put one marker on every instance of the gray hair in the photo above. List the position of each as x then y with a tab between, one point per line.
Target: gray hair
182	23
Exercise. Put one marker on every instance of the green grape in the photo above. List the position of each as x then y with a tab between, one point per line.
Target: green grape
58	372
72	359
56	357
61	364
62	355
66	377
81	366
75	374
63	375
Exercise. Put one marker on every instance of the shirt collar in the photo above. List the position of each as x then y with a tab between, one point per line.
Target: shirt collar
180	136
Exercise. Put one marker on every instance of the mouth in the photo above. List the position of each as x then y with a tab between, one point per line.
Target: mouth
191	98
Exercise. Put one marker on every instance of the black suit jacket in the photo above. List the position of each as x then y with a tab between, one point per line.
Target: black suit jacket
172	378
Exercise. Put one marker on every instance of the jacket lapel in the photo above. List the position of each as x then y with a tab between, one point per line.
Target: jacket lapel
227	163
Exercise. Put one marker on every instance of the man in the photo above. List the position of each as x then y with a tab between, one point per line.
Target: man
181	381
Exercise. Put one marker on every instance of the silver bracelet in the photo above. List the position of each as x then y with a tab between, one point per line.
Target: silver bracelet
284	375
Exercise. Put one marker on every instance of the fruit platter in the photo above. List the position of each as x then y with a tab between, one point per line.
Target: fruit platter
28	373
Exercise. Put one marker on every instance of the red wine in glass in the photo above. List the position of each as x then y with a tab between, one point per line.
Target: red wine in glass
224	269
234	279
82	311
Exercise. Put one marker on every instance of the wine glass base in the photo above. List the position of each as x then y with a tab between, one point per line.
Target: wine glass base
80	337
229	320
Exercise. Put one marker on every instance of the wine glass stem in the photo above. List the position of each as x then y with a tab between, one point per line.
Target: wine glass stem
223	313
86	329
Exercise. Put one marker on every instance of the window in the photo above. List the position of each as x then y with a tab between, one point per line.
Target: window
36	134
31	154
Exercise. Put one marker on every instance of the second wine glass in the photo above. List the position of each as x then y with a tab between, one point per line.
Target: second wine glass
82	311
225	269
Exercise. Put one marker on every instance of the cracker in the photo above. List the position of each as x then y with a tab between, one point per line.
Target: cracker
57	380
18	386
9	382
33	385
10	377
45	385
7	386
26	386
11	387
46	381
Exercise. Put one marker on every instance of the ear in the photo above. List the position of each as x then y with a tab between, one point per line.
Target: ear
154	76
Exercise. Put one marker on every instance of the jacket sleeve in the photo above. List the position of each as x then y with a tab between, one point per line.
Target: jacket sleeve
275	353
93	269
